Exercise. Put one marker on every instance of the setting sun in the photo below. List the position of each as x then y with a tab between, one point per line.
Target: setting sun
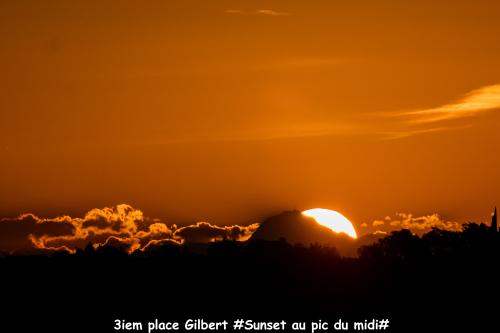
332	219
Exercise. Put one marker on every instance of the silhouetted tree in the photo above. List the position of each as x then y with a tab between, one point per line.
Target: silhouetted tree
401	245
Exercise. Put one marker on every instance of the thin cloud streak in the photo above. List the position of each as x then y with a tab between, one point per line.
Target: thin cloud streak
417	122
395	135
267	12
272	12
475	102
278	133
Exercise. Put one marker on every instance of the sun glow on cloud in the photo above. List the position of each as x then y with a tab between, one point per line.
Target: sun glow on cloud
332	219
479	100
122	226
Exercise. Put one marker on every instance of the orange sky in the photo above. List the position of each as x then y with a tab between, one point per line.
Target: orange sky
230	111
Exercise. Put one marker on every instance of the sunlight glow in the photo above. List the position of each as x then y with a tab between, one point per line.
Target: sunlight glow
332	219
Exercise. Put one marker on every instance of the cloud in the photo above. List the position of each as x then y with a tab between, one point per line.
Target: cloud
426	222
394	126
122	226
417	224
438	119
405	134
271	12
204	232
15	233
473	103
159	243
268	12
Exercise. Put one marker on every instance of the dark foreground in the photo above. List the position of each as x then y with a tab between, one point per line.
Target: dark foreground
441	282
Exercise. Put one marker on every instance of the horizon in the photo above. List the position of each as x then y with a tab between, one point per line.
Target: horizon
127	226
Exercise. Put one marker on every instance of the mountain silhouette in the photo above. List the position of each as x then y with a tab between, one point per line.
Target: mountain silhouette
297	228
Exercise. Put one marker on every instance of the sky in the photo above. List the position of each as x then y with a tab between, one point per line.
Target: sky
232	111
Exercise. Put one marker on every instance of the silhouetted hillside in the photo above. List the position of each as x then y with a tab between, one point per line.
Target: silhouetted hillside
297	228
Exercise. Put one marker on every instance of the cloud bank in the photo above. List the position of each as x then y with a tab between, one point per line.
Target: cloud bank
121	225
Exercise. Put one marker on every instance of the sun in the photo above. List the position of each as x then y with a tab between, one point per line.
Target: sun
332	219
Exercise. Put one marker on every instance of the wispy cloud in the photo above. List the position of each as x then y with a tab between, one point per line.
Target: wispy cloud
394	135
268	12
417	224
272	12
272	133
421	121
473	103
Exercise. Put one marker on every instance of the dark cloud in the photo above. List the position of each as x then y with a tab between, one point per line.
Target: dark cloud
204	232
15	234
122	226
160	244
